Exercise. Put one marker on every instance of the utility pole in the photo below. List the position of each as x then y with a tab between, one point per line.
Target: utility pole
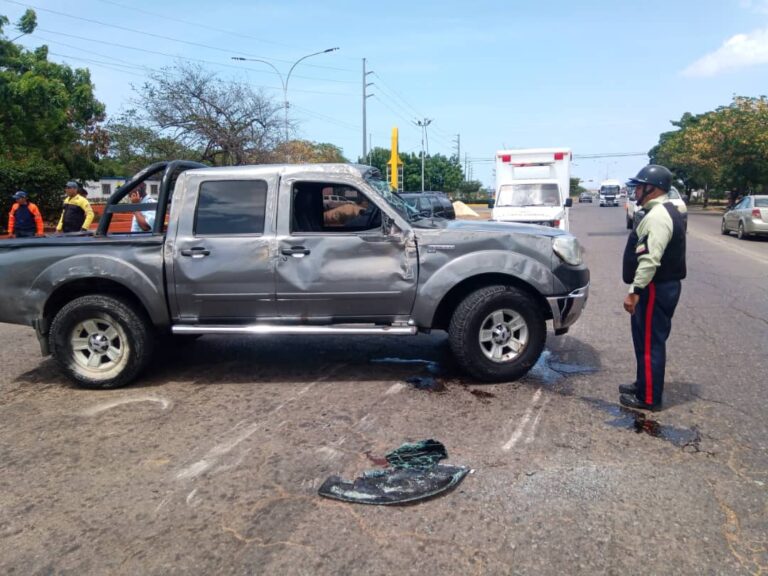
365	99
458	147
423	125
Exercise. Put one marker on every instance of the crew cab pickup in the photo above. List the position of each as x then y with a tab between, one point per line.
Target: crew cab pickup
264	250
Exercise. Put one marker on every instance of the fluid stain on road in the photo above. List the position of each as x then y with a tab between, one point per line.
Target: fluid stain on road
551	371
482	394
429	382
641	424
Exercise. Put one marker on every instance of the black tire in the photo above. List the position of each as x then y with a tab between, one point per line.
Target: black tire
724	229
473	316
741	234
101	342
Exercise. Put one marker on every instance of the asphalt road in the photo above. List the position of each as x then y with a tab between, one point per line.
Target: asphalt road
211	463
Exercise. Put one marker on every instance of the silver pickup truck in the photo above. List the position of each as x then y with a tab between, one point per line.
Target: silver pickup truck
257	250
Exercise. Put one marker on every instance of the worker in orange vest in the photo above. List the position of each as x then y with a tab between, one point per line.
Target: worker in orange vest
24	220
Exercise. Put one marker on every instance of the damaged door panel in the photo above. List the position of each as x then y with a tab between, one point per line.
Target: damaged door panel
335	258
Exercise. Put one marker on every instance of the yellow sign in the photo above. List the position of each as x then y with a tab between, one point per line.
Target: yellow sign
394	161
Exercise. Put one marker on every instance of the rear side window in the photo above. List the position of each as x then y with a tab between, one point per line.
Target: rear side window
229	207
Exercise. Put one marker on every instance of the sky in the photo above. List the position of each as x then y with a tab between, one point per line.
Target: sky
602	77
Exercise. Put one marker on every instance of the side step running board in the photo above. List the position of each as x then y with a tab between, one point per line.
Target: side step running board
303	329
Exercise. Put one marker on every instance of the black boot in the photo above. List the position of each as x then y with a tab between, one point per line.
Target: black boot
628	389
631	401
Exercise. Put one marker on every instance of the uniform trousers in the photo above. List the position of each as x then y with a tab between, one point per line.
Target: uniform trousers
651	324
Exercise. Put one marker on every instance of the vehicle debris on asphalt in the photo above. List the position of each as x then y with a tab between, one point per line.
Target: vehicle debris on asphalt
412	474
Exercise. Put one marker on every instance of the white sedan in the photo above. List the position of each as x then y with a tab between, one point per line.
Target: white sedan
635	214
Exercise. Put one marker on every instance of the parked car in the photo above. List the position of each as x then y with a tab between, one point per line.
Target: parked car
585	197
747	218
251	250
635	213
430	204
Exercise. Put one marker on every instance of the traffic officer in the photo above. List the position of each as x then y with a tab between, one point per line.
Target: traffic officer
654	265
25	219
77	214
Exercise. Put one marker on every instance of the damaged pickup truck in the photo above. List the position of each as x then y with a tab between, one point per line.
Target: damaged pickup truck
257	250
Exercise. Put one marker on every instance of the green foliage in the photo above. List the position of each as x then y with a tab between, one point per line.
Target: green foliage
440	172
726	148
47	110
304	151
576	188
42	179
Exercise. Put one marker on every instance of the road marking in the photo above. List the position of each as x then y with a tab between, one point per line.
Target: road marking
532	430
191	496
523	422
724	243
395	388
92	411
236	437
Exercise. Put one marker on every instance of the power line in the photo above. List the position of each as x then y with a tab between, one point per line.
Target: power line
194	60
177	57
150	34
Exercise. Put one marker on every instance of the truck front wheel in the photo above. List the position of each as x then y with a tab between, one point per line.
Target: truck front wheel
497	333
100	341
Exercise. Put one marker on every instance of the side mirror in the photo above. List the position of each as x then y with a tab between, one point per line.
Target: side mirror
568	202
491	202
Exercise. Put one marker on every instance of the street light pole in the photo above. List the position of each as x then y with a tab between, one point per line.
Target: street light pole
284	82
423	125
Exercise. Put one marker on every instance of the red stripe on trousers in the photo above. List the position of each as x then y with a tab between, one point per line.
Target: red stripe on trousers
648	318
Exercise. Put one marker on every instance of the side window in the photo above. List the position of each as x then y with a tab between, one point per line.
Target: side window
325	207
230	207
437	207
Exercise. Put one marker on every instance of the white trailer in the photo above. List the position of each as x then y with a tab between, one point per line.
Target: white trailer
533	185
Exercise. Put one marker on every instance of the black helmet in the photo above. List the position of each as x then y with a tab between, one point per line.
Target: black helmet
653	175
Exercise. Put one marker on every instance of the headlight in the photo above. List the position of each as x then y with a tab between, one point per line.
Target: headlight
568	249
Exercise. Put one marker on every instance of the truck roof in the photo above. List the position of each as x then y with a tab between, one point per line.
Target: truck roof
519	151
360	170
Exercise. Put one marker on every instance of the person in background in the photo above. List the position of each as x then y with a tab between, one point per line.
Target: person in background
144	220
24	220
77	214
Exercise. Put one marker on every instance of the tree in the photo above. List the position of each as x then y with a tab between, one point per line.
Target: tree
304	151
133	146
228	121
50	121
726	148
576	188
440	172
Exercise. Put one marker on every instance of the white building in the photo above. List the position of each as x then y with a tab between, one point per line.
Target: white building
104	188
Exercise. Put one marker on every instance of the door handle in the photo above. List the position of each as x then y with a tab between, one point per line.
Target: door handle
196	252
295	251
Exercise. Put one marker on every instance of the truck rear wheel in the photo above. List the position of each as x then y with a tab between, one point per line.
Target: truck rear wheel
100	341
497	333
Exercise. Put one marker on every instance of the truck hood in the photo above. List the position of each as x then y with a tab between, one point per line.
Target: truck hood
430	226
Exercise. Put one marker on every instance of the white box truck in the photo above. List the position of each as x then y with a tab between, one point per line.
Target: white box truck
532	186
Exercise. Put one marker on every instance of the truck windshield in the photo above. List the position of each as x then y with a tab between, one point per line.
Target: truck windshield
610	190
519	195
405	210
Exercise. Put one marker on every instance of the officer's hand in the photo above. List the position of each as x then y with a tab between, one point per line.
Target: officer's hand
630	302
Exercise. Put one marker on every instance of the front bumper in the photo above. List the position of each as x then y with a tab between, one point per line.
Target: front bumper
567	309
